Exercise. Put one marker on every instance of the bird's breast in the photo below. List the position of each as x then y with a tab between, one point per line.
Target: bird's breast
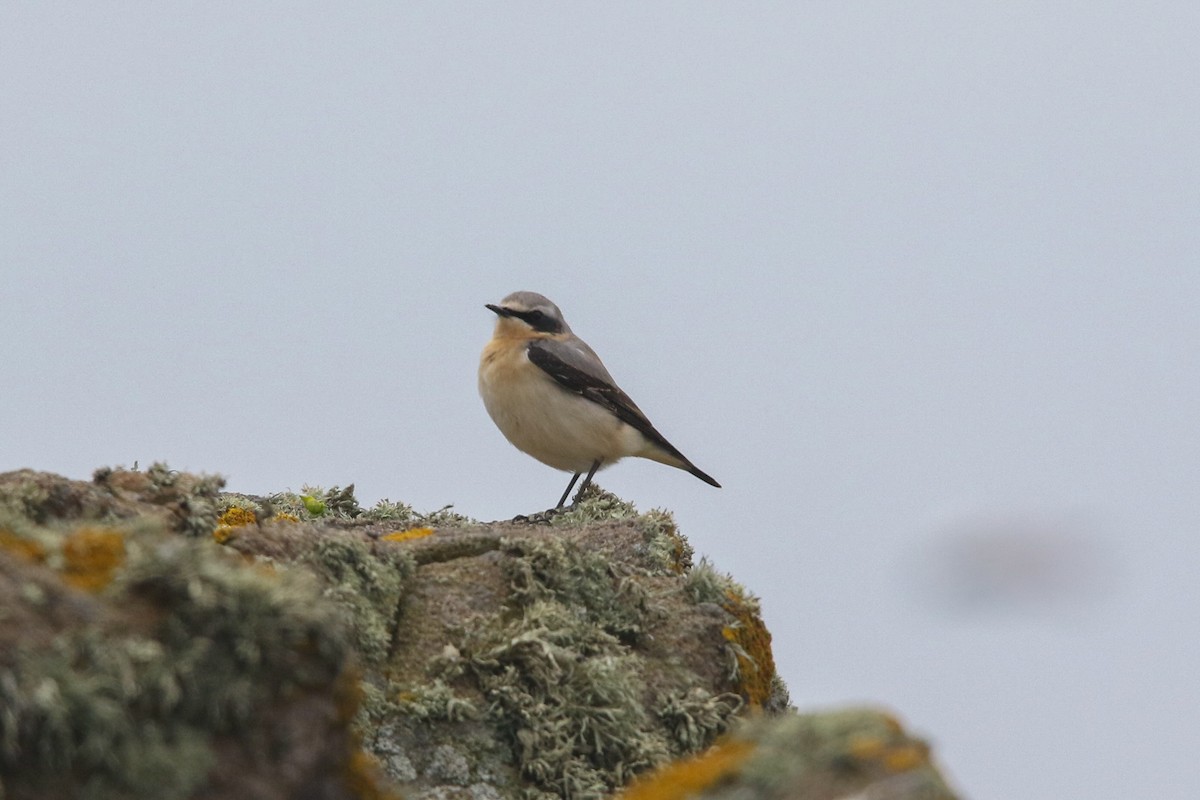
541	418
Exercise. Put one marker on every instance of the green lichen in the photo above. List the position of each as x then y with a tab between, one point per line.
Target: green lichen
230	628
314	502
435	701
845	750
191	500
559	570
388	511
336	502
748	642
131	712
696	717
110	720
596	505
666	549
443	517
569	698
854	753
367	585
706	584
27	500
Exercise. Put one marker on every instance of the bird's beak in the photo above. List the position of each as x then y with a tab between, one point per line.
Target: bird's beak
500	310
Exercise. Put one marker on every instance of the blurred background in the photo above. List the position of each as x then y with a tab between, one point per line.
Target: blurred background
918	283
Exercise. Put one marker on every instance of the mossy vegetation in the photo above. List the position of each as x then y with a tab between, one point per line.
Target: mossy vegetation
751	661
367	585
557	570
560	665
134	661
128	706
569	698
851	753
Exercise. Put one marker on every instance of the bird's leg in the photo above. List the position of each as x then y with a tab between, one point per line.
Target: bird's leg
567	493
586	482
550	513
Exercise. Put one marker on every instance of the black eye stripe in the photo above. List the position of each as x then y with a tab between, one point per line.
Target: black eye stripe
540	321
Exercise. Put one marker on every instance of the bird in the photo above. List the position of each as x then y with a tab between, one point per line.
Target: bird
552	398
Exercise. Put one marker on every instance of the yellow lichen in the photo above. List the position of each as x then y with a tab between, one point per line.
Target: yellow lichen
236	517
906	757
223	534
894	756
233	518
26	549
756	664
690	776
91	556
863	747
285	517
404	536
363	778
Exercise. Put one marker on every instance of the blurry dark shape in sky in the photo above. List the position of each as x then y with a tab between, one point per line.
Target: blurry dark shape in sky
1018	561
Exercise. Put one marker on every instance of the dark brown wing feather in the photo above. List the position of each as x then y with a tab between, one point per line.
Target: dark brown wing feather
547	354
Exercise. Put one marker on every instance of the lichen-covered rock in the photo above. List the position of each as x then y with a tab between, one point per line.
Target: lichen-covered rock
857	753
299	645
554	659
135	662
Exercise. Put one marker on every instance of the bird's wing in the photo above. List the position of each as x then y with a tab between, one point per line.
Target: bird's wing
578	370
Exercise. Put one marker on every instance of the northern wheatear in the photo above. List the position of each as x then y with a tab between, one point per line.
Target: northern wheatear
550	395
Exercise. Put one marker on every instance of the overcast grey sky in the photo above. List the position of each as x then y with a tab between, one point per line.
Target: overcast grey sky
917	282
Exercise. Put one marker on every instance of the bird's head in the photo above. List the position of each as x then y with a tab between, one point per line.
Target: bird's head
524	313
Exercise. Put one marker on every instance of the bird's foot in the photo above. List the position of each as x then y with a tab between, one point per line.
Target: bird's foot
541	517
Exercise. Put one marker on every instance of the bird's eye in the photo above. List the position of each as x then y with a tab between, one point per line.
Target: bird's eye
535	316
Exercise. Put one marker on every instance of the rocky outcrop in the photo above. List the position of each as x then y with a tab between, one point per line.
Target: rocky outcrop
160	638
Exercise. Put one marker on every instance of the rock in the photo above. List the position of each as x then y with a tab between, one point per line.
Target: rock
856	754
161	639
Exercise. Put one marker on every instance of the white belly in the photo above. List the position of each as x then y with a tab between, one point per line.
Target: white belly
560	429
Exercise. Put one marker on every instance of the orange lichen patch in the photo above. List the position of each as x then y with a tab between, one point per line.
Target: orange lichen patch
690	776
866	748
681	560
285	517
756	663
894	756
223	534
26	549
906	757
404	536
236	517
91	556
363	778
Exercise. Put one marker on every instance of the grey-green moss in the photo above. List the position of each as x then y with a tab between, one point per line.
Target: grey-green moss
368	586
847	749
192	500
569	699
130	709
696	717
587	582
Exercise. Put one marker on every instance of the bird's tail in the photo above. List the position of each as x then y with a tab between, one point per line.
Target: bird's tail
673	458
704	476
